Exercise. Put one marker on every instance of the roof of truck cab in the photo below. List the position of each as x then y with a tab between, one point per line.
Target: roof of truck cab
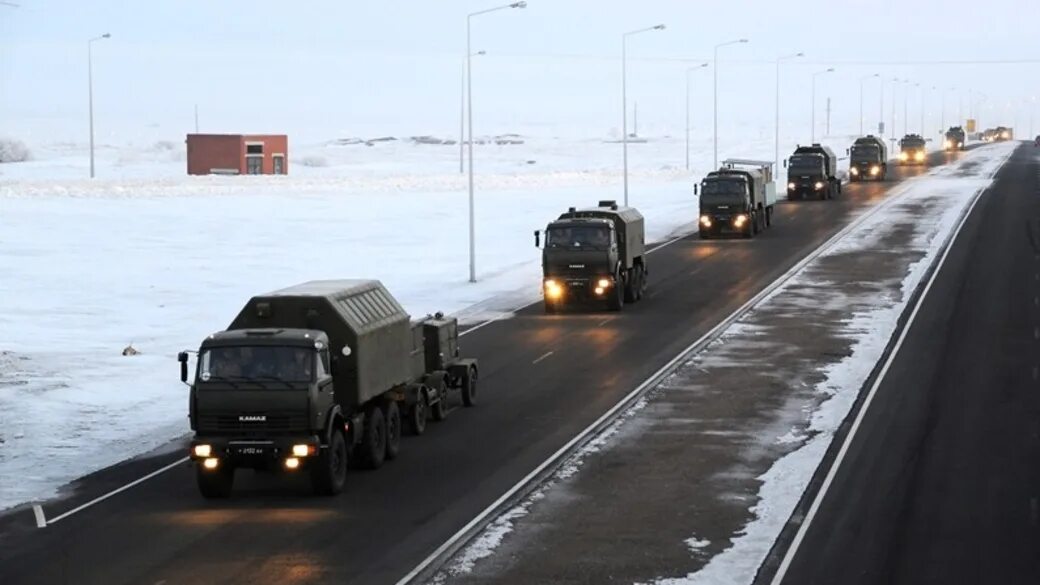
625	214
267	336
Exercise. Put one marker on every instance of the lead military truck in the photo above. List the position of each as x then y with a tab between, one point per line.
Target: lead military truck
594	255
309	378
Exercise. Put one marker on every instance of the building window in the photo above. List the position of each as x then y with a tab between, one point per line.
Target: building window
255	148
279	164
254	165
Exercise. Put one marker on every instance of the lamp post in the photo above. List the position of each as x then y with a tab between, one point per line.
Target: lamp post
906	105
90	93
812	133
624	99
776	138
861	81
689	70
715	99
469	101
462	117
895	80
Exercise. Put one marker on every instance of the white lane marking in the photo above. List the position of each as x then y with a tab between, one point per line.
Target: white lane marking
41	520
603	322
533	303
100	499
792	550
559	456
547	354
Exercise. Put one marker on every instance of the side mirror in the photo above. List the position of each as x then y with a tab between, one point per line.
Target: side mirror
537	238
848	152
785	163
182	357
696	187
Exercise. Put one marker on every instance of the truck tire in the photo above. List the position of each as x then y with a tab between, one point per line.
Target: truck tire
217	483
469	387
439	409
393	430
640	284
329	474
617	300
417	414
630	285
373	440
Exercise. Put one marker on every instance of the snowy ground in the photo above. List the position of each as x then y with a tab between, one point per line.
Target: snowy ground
744	423
146	256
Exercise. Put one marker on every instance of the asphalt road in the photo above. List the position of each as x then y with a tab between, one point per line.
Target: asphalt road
387	521
941	483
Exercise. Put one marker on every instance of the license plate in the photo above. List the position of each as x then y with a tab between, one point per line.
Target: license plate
576	283
251	450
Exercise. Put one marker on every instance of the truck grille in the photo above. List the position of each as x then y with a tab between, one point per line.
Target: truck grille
232	424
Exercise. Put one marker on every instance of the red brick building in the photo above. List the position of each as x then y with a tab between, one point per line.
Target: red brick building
238	154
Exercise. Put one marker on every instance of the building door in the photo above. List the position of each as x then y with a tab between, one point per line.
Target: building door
254	165
279	164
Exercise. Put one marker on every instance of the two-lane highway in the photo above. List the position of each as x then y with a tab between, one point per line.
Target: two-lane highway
543	379
941	483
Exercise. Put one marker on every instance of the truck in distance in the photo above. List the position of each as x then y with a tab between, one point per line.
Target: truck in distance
868	159
737	199
956	139
309	378
912	150
594	255
812	171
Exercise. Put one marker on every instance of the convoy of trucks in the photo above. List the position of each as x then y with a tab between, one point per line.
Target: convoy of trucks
594	255
868	159
316	376
956	139
912	150
812	171
737	199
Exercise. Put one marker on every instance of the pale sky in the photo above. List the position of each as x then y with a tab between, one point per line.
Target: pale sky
323	69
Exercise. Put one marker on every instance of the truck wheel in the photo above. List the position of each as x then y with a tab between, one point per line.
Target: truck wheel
373	441
630	286
217	483
469	387
417	415
329	474
640	284
617	300
440	408
393	430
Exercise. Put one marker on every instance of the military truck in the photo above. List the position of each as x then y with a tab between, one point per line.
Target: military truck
812	171
594	255
868	159
1002	133
737	199
956	139
912	150
309	378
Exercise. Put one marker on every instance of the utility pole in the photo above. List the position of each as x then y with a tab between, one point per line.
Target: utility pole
828	132
196	118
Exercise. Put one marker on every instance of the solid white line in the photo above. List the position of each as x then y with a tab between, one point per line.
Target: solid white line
833	471
894	195
547	354
100	499
41	520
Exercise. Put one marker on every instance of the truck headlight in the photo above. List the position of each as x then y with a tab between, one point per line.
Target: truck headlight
706	221
792	186
854	170
202	451
919	156
598	290
904	156
210	463
818	185
553	289
603	283
875	170
292	463
960	144
739	220
302	450
949	144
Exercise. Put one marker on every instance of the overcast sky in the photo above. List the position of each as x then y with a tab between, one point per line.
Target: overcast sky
321	69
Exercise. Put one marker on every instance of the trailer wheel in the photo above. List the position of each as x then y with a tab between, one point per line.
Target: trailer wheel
393	430
642	280
417	414
469	387
217	483
639	282
440	408
329	474
373	441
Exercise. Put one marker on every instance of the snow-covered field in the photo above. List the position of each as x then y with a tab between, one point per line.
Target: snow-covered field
146	256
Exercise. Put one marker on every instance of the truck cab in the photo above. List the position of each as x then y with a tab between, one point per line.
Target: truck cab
868	159
736	199
912	150
955	139
807	176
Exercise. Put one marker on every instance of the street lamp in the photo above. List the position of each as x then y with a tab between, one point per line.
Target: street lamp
689	70
715	67
462	116
861	80
90	93
624	99
814	76
776	140
469	101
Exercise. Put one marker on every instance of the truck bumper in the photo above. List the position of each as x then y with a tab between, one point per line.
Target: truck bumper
806	192
561	290
289	453
724	224
867	172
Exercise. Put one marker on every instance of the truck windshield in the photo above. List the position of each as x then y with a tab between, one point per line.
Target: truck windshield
805	165
252	362
578	237
866	152
723	191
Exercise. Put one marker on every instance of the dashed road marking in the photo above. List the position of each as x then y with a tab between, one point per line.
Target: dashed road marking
604	322
41	520
547	354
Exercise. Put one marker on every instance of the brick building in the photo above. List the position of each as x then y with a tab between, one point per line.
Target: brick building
238	154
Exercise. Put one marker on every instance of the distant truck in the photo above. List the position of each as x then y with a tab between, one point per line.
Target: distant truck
737	199
956	138
869	159
812	171
1002	133
912	150
309	378
989	135
594	255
